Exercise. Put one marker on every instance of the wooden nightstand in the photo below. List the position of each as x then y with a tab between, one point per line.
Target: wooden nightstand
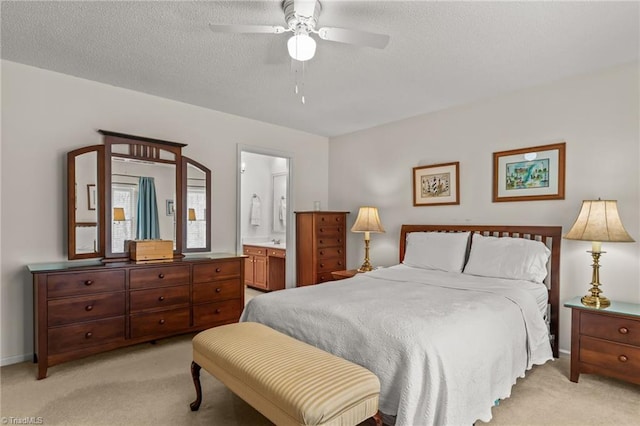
605	341
340	275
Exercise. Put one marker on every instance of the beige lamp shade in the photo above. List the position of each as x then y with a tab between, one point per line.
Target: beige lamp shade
192	214
599	220
118	214
367	221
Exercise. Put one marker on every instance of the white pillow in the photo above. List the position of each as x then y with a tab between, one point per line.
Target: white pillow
504	257
444	251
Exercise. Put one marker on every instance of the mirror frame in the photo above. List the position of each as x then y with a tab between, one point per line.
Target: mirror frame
185	171
72	202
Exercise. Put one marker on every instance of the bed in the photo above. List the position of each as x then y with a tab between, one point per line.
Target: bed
448	330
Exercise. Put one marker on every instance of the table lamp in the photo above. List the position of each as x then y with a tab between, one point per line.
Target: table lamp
598	221
367	221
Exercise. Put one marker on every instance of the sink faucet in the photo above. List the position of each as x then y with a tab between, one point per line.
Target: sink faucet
275	241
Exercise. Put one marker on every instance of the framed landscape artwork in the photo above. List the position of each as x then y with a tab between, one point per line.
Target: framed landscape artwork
529	174
436	185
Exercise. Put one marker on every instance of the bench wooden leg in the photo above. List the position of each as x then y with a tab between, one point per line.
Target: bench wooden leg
195	374
376	420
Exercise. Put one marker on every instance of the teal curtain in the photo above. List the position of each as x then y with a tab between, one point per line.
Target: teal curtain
148	224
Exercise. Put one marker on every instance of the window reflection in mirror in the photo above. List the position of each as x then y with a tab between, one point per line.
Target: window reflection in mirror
86	203
196	207
126	219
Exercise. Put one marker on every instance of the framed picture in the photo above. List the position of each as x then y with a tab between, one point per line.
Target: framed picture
529	174
436	185
91	196
170	208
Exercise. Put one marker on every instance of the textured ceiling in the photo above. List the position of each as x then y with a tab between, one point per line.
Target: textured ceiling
441	54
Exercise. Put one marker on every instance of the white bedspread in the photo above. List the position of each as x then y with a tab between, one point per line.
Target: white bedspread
445	346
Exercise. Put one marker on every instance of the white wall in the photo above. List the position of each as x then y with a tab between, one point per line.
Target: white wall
46	114
597	116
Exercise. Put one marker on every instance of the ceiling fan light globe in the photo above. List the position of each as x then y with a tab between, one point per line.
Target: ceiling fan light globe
301	47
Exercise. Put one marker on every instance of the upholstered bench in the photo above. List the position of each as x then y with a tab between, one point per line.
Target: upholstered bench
288	381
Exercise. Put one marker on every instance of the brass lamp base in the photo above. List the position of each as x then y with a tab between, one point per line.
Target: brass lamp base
366	266
595	301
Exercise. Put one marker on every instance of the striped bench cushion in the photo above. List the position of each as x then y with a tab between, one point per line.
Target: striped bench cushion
290	382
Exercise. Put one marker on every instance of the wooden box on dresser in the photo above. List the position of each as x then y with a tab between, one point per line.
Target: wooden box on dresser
605	341
84	308
320	245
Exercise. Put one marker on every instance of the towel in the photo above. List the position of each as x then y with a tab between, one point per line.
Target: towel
255	214
283	211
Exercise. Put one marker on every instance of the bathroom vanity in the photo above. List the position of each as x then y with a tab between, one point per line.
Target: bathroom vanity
264	265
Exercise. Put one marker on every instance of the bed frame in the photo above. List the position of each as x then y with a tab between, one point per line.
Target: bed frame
551	236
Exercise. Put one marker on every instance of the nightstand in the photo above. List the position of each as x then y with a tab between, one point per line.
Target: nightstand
605	341
340	275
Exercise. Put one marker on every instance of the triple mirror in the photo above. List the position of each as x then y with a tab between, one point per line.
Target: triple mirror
136	188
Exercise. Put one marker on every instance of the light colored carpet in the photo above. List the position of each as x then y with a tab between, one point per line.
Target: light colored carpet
151	384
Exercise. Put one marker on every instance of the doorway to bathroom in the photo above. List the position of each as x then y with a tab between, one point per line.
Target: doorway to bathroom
264	217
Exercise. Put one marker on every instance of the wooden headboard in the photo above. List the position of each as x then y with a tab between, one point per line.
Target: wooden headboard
551	236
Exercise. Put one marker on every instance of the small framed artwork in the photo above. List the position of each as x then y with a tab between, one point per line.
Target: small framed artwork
91	196
436	185
170	208
529	174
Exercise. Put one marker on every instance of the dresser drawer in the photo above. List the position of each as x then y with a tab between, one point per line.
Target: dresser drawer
76	284
217	291
85	308
621	358
159	277
217	271
163	297
330	242
254	251
332	264
618	329
325	253
212	313
330	219
72	337
159	323
330	231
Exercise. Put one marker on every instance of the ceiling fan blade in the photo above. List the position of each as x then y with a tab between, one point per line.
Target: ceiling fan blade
362	38
247	29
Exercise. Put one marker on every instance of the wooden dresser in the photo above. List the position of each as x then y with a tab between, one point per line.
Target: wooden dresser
320	245
605	341
84	308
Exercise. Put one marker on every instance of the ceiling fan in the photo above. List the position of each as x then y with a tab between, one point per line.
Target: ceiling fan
301	17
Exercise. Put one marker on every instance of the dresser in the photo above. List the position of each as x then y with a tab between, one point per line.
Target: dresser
320	245
605	341
84	308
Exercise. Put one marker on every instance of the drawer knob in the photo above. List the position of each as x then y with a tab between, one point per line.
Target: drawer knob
218	269
218	290
322	265
161	322
161	298
88	335
88	308
339	263
623	358
623	330
161	276
218	311
322	252
322	219
339	251
88	282
321	242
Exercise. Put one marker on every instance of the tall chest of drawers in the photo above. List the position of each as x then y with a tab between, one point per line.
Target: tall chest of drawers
84	308
605	341
320	245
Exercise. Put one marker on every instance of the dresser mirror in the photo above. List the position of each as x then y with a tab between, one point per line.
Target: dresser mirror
135	188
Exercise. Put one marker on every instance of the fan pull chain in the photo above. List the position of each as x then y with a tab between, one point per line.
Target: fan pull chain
298	88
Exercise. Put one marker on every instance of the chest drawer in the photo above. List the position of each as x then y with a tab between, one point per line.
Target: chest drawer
159	277
325	253
323	219
217	291
155	298
217	270
215	313
324	242
72	337
618	329
323	277
332	264
77	284
85	308
159	323
621	358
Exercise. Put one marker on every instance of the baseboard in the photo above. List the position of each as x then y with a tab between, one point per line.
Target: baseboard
564	352
15	359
